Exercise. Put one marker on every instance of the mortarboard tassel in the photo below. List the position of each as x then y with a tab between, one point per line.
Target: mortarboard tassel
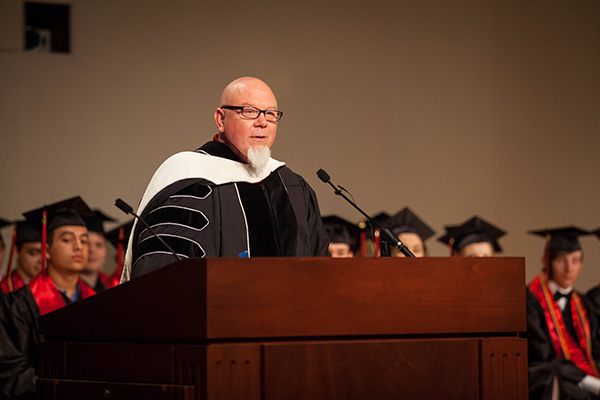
120	247
363	238
10	260
44	239
116	275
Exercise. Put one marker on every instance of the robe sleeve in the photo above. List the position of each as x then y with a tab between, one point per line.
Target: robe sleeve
19	338
184	216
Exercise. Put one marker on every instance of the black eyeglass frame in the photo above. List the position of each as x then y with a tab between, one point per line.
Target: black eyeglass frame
264	112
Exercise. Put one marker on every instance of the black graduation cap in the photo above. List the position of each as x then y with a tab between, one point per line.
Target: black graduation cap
561	240
381	218
370	228
65	212
95	223
28	232
341	231
597	232
405	221
114	236
475	230
4	222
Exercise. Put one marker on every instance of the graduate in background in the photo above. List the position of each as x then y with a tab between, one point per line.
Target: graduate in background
3	223
594	293
28	244
474	238
411	231
67	249
119	237
343	236
92	274
56	286
562	339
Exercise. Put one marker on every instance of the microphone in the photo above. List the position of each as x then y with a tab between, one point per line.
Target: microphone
386	234
324	176
127	209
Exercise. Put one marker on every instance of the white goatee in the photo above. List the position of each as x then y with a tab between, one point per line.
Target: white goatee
258	157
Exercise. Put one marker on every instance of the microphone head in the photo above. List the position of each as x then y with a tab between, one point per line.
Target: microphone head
126	208
324	176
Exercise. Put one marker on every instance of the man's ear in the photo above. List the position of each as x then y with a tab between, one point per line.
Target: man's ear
220	119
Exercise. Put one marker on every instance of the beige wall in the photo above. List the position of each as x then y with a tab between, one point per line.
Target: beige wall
451	108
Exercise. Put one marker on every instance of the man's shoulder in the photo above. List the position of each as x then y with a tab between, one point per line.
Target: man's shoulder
291	178
288	174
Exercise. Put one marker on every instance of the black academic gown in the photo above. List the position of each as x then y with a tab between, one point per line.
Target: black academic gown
544	365
278	216
19	336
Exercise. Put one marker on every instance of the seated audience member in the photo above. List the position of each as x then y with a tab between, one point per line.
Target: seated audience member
119	237
67	253
343	236
411	231
562	339
28	244
92	274
594	293
3	223
56	286
474	238
372	234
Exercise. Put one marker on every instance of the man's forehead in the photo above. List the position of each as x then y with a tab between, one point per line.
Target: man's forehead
248	92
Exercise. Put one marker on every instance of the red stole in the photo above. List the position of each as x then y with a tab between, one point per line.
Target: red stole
17	283
579	349
109	281
47	296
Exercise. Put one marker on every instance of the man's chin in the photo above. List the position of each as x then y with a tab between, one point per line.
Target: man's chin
258	157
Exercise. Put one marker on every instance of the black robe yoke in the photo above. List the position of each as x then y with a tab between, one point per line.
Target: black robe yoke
278	216
543	363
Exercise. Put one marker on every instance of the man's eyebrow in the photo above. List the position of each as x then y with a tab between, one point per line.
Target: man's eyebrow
72	233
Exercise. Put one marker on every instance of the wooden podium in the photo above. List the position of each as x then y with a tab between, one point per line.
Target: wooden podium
296	328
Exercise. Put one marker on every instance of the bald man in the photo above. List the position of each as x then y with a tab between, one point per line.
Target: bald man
229	198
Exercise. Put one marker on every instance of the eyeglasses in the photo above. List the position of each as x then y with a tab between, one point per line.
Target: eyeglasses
250	112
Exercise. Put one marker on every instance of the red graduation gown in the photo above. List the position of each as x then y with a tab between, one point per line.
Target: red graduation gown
17	282
47	296
109	281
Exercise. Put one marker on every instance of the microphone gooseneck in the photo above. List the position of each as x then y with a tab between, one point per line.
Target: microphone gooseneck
127	209
386	234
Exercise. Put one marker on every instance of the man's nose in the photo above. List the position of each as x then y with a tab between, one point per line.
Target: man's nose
261	120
